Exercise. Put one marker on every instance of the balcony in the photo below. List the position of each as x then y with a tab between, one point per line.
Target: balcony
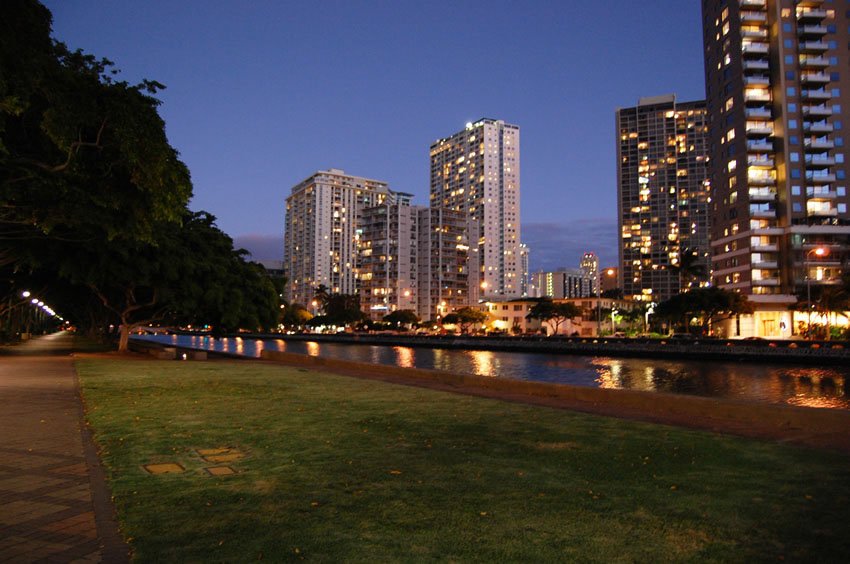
761	180
756	65
759	162
759	146
821	212
759	129
753	33
817	94
749	16
764	247
758	113
818	144
818	127
763	214
754	48
757	80
814	78
813	46
754	4
811	30
817	177
808	62
820	194
758	96
765	264
814	161
766	282
762	194
821	110
807	15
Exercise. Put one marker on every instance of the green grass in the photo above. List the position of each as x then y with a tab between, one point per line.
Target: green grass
363	471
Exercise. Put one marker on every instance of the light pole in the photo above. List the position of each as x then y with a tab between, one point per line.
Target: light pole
819	251
598	302
613	325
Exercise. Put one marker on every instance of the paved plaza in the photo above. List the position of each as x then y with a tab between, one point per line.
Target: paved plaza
54	504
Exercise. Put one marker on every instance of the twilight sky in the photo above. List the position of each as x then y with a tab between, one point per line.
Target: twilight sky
262	94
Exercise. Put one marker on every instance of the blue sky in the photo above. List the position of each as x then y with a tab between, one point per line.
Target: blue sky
261	94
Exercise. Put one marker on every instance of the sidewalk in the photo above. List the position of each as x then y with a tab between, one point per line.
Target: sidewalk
54	504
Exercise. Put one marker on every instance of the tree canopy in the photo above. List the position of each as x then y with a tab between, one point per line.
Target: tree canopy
555	314
93	198
707	305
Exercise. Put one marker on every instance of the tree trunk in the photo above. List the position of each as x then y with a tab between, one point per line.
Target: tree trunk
124	337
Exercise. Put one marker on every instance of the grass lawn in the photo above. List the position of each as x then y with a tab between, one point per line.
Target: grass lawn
338	469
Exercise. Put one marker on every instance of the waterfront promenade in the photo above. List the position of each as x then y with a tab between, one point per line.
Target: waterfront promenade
54	503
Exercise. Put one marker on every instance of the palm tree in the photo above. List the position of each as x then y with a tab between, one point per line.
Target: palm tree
688	267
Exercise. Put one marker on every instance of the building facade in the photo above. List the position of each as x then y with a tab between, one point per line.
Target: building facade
476	171
564	283
447	263
778	93
321	234
662	196
589	266
388	258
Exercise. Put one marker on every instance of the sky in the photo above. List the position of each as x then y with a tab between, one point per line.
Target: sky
262	94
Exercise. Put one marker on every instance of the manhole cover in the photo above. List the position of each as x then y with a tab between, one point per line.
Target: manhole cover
221	471
165	468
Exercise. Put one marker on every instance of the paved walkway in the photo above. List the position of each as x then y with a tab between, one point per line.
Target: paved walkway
54	504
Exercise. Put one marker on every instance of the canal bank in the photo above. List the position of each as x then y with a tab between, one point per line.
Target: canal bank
818	353
820	428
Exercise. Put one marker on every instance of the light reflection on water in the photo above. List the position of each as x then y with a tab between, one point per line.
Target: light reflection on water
827	387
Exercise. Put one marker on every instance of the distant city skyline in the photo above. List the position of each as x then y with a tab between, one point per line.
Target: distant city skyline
257	99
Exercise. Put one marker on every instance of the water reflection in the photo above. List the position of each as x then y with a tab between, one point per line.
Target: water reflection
815	387
484	363
404	357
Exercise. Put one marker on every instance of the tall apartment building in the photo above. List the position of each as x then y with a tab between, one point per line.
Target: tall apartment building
589	266
476	172
524	270
447	262
321	231
778	94
662	195
388	265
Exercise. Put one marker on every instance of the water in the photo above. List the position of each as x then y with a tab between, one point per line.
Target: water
826	387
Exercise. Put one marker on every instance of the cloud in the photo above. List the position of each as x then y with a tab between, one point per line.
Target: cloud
556	245
261	247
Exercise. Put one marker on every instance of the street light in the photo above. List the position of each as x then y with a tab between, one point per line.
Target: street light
821	252
614	312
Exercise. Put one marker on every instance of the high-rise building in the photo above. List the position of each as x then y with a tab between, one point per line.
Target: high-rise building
321	231
662	197
448	276
589	266
524	278
388	265
476	172
778	94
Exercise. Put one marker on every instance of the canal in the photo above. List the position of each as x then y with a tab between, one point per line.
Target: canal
824	387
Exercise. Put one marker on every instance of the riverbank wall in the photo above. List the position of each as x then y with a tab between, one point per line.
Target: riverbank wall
823	353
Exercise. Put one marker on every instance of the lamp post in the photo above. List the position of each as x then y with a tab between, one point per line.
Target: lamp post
613	324
598	302
819	251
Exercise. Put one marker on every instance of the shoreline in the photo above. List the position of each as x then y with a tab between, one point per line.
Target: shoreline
809	353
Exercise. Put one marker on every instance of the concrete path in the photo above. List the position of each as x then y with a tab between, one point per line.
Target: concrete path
54	504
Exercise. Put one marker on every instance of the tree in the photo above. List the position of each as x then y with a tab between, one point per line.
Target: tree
78	147
688	267
553	313
709	305
342	309
296	315
402	317
468	317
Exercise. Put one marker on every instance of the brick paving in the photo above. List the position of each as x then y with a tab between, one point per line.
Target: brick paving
54	504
